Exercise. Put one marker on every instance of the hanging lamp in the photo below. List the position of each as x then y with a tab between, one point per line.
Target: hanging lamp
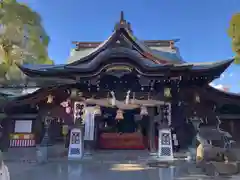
97	111
143	111
127	97
167	92
73	93
119	115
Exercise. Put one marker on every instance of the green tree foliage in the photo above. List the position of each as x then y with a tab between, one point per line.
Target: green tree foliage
234	33
22	38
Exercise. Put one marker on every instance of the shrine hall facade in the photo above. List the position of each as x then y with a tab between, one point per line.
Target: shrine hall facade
144	78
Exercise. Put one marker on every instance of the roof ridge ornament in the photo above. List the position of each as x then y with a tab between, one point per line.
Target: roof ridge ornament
123	23
122	19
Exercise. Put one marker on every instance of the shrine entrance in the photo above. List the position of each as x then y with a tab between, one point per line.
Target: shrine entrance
121	130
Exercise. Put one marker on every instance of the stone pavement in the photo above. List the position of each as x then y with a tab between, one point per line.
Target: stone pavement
29	154
103	164
58	153
107	171
16	168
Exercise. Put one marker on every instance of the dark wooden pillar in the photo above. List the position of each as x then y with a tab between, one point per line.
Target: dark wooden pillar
151	135
6	129
232	127
97	119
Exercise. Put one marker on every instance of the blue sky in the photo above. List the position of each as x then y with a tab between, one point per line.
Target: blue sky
200	24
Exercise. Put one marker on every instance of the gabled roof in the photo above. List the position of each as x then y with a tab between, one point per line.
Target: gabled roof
123	32
123	44
161	48
98	62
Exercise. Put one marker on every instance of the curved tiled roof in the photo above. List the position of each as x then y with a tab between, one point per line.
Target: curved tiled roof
166	53
172	57
122	45
79	54
108	57
222	93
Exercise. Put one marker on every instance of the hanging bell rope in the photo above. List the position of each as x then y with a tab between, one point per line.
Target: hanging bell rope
127	97
119	115
113	100
144	111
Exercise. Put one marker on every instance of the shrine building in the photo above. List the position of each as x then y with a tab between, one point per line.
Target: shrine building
125	79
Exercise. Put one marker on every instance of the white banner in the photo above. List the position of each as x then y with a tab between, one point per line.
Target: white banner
89	123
